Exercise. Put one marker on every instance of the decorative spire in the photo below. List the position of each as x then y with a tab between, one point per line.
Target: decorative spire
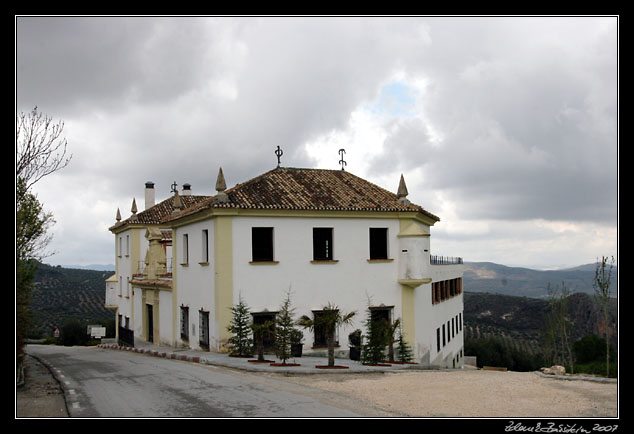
221	186
118	215
177	204
402	192
134	208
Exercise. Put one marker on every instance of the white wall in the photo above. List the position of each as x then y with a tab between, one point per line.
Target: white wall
195	281
346	283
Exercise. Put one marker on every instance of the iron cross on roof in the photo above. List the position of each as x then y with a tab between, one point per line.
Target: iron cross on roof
279	154
174	185
342	162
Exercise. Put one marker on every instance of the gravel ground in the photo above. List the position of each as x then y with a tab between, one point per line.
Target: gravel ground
473	393
41	395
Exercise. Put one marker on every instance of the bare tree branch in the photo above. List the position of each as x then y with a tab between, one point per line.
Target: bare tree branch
40	150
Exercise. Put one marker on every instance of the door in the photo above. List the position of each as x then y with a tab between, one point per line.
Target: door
150	323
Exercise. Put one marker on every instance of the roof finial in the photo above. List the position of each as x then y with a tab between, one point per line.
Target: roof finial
221	186
279	153
402	192
174	185
134	208
177	204
118	215
342	162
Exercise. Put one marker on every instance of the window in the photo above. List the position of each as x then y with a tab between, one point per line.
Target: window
448	333
127	245
203	328
322	244
268	339
438	339
378	243
185	249
262	244
185	322
443	335
205	246
321	334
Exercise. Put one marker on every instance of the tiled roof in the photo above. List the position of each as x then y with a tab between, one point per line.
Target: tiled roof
155	214
306	189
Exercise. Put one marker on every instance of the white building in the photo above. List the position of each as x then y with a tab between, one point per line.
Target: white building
328	236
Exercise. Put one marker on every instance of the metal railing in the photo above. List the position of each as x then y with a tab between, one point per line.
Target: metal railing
444	260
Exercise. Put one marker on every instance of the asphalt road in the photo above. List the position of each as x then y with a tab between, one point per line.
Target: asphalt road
104	383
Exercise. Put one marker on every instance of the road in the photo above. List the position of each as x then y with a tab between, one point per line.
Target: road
104	383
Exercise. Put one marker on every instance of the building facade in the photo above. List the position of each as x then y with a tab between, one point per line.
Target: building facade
324	236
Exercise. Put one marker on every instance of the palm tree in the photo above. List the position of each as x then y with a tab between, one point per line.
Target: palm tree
330	320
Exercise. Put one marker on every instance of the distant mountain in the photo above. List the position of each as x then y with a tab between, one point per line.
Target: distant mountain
500	279
97	267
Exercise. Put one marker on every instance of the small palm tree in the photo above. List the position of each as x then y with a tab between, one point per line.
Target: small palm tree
330	320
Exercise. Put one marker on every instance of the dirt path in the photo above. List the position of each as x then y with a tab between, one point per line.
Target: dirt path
41	395
474	393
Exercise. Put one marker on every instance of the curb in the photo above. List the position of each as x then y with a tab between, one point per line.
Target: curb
166	355
577	377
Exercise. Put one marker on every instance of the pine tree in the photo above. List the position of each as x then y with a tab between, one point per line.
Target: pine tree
373	349
284	330
404	350
240	327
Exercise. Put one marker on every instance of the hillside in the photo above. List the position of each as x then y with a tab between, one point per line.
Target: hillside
499	279
518	321
62	293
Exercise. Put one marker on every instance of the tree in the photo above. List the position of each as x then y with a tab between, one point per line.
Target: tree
260	331
601	285
40	150
404	350
390	334
330	319
558	325
373	350
284	329
240	327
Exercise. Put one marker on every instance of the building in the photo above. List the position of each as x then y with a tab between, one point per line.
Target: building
327	236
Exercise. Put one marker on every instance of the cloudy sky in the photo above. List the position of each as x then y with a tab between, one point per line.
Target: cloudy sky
505	127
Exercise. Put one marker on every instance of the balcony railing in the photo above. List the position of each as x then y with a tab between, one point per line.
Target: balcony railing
163	269
444	260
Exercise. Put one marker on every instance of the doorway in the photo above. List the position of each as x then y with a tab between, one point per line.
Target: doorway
150	323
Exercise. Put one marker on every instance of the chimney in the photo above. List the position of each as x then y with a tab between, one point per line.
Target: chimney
149	194
187	190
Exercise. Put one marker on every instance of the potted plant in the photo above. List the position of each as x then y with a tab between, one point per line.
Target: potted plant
296	343
354	340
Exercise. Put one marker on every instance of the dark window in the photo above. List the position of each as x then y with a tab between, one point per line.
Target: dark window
322	244
268	339
204	329
262	244
378	243
443	335
321	334
184	322
438	339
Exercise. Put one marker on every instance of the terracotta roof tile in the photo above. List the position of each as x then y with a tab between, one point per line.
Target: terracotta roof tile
155	214
306	189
